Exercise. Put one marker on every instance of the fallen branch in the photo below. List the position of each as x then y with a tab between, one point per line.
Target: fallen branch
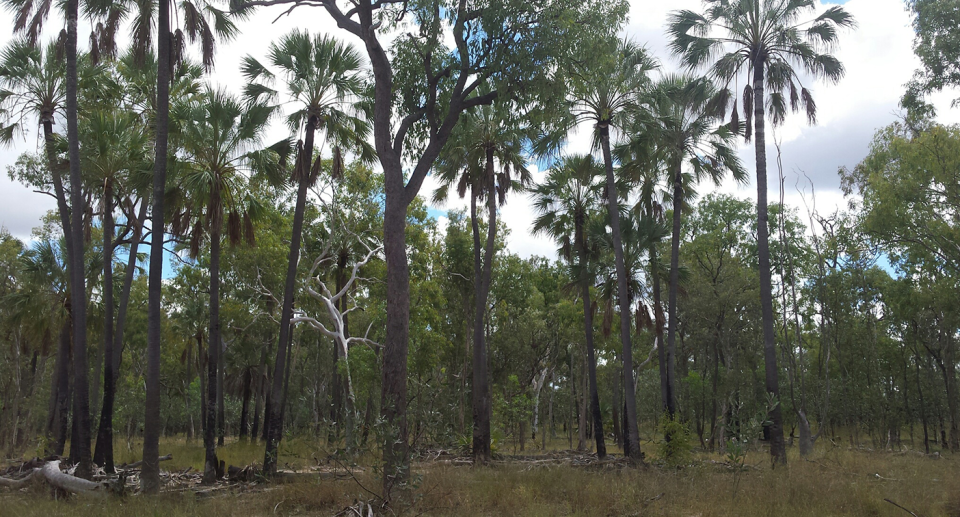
902	508
17	484
51	473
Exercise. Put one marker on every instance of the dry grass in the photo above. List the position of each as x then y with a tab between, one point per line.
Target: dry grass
836	481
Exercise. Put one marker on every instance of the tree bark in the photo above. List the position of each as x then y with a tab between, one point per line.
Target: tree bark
150	472
671	400
211	464
631	432
482	273
245	408
103	455
588	330
78	291
778	452
273	414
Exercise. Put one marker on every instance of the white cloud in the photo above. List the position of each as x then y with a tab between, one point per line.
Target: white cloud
877	55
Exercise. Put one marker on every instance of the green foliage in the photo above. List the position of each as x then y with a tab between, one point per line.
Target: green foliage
675	448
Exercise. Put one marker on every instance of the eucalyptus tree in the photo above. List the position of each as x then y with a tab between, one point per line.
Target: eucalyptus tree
604	92
683	117
421	88
564	202
221	142
770	42
114	152
487	139
324	80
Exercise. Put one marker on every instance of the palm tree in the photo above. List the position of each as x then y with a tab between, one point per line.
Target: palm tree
768	41
683	118
115	151
564	202
218	132
323	77
604	93
484	140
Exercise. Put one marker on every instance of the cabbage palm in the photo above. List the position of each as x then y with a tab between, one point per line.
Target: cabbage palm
485	140
221	141
683	117
768	41
115	150
564	202
604	94
323	79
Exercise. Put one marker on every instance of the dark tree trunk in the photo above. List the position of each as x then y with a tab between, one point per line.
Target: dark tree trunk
631	432
103	455
671	399
482	272
221	422
211	465
150	473
658	324
60	393
591	353
245	408
273	420
78	288
261	386
393	389
128	276
778	452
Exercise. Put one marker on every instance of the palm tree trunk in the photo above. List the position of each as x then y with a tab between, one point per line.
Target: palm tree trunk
631	432
671	401
274	415
150	473
658	323
482	272
59	395
778	452
103	454
591	353
211	464
128	275
79	292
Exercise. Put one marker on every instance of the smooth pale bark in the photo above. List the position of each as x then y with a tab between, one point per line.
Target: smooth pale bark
671	384
150	472
631	432
78	290
778	451
211	464
103	455
591	352
274	416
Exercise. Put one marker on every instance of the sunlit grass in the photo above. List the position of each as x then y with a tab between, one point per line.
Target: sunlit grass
835	481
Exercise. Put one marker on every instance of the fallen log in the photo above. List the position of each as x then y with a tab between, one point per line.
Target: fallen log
17	484
51	473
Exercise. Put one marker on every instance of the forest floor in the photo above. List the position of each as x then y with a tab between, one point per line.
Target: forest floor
834	481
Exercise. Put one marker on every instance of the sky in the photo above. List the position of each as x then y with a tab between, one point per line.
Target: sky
877	55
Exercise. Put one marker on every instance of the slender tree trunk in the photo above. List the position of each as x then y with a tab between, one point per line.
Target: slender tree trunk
671	401
221	420
591	352
658	324
245	408
482	273
60	394
128	276
631	432
273	415
778	452
103	454
150	473
259	395
211	464
78	291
